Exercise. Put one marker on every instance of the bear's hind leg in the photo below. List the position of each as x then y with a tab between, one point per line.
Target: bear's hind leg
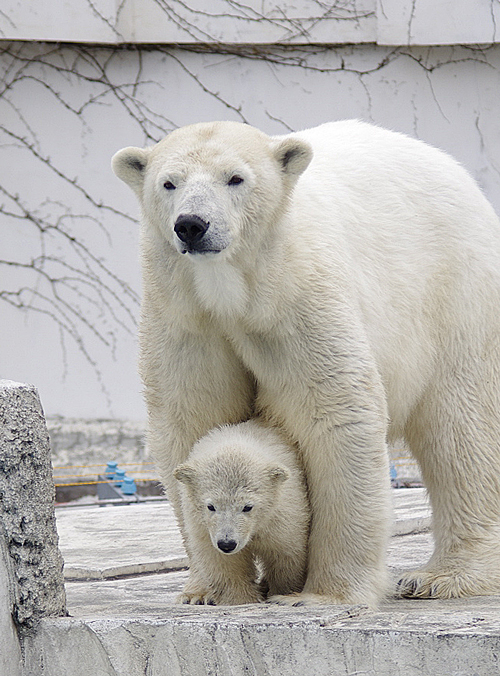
455	436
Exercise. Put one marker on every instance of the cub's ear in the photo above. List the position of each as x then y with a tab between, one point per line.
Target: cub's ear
185	474
293	155
129	164
278	474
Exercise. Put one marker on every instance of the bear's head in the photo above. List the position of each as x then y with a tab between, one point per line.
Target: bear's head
205	184
232	495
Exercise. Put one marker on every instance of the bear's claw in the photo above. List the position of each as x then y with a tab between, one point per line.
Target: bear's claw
196	599
300	599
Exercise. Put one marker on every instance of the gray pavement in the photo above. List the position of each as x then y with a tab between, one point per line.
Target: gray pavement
129	542
112	552
104	542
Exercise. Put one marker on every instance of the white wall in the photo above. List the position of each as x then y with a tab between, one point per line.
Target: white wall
67	108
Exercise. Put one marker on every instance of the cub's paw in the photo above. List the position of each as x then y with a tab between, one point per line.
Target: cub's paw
438	584
196	598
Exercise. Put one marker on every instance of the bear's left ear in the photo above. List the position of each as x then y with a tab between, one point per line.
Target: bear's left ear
293	155
278	474
129	164
185	474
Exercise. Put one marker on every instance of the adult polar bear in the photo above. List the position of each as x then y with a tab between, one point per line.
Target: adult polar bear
345	281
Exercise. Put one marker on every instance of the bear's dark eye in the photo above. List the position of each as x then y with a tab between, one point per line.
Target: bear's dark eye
168	185
211	508
247	508
235	180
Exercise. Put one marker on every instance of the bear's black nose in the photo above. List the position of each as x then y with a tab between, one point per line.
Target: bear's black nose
190	228
226	546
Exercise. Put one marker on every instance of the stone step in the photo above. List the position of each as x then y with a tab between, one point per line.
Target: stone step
132	628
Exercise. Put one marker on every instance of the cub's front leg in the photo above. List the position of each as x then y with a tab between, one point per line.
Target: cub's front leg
220	579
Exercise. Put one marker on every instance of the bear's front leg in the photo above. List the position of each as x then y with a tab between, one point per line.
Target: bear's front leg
193	382
349	495
335	410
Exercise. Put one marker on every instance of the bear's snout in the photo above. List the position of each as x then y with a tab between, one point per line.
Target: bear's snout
190	229
226	546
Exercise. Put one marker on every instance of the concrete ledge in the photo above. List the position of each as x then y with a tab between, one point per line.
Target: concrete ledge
405	638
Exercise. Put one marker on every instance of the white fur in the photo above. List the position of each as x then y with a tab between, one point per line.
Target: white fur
220	286
369	283
242	484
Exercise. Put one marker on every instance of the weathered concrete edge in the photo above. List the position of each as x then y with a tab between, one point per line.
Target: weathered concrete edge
409	525
86	573
227	645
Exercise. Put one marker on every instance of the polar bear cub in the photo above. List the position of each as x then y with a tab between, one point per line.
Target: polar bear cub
246	512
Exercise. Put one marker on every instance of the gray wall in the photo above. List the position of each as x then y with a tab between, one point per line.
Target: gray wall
69	271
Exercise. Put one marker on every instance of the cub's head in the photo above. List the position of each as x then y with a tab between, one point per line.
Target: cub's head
203	186
231	494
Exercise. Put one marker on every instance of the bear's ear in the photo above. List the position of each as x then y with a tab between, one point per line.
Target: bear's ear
185	474
293	155
278	474
129	164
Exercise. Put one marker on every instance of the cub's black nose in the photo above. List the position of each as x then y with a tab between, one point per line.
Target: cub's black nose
190	228
226	546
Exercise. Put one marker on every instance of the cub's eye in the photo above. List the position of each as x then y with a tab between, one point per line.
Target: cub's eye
168	185
235	180
247	508
211	508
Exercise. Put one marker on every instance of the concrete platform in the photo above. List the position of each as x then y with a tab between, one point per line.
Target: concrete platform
103	542
124	568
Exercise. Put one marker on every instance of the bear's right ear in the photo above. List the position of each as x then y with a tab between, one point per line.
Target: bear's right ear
129	164
293	154
185	474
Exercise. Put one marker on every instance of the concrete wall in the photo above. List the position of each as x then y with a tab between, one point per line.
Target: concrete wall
69	270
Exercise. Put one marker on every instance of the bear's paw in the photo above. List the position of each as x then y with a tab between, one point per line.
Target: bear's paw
440	584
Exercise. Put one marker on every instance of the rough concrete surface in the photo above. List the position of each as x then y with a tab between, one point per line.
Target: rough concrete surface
27	505
10	649
100	543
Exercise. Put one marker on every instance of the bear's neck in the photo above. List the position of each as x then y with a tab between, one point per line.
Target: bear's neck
244	287
221	288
